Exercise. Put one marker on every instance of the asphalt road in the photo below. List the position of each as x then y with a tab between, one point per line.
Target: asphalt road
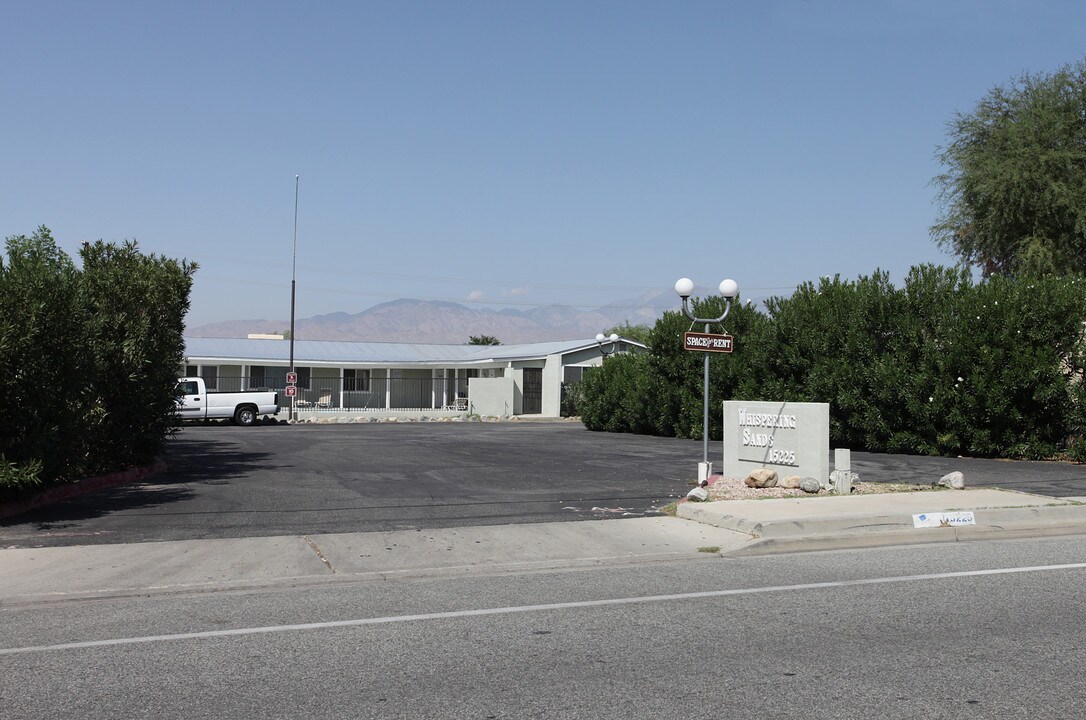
967	630
228	482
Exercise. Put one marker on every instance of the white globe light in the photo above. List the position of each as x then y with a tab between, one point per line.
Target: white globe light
684	287
729	288
613	338
600	338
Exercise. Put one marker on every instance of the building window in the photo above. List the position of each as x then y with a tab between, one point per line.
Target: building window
573	374
210	374
356	380
258	376
272	377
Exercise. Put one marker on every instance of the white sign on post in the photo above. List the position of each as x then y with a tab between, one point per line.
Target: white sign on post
791	438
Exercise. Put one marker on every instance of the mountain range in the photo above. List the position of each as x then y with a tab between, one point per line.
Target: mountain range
427	321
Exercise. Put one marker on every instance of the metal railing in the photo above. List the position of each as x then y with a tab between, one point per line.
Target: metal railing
356	394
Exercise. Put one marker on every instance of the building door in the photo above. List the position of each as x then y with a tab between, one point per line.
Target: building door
533	391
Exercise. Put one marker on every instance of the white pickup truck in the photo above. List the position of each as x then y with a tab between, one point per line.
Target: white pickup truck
194	402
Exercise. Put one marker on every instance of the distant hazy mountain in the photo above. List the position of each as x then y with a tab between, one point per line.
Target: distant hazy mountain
420	321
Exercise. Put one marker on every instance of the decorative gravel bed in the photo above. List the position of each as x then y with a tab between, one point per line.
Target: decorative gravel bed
734	489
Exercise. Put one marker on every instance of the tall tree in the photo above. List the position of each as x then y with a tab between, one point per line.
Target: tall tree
638	333
483	340
1013	193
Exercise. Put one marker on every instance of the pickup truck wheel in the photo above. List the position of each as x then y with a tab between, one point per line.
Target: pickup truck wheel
245	416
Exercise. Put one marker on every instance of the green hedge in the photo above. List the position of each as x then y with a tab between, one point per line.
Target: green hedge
942	365
89	356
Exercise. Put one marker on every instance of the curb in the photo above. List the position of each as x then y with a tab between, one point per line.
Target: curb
929	536
79	487
1035	515
834	533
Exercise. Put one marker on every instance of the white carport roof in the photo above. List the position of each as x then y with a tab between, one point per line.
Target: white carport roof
336	353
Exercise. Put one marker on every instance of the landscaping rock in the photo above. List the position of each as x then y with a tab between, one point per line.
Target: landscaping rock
698	494
954	480
791	482
762	478
809	485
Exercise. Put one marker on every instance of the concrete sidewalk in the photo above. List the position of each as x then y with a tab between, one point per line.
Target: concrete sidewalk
34	575
747	527
817	523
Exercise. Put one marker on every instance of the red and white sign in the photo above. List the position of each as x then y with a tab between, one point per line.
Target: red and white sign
292	378
290	391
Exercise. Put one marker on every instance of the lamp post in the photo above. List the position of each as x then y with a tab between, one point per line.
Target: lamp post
293	274
729	290
611	339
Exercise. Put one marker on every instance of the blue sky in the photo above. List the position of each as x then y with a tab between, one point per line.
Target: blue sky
499	153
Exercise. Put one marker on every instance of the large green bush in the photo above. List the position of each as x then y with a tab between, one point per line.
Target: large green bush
676	379
942	365
43	360
136	306
614	396
662	392
89	356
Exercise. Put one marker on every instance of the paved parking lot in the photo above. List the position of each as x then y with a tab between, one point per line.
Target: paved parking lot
228	482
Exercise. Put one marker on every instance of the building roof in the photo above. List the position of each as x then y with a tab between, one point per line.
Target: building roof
330	352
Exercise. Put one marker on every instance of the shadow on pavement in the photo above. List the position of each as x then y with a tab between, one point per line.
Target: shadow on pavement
203	461
187	461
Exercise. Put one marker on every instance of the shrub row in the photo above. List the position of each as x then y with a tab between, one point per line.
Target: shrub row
942	365
89	357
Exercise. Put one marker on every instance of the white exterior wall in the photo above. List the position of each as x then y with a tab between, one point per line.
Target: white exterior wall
517	376
491	396
552	386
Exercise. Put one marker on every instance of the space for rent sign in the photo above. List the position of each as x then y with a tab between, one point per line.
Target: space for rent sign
708	342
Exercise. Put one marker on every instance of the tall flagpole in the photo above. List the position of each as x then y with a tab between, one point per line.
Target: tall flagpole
293	275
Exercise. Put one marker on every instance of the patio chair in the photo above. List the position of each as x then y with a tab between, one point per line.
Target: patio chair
459	403
325	400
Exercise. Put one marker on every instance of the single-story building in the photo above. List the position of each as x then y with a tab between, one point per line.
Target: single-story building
366	377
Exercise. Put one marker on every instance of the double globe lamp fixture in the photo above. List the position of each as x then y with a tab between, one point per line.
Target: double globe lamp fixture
611	339
729	290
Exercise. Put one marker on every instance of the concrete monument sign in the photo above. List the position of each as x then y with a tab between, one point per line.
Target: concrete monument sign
791	438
